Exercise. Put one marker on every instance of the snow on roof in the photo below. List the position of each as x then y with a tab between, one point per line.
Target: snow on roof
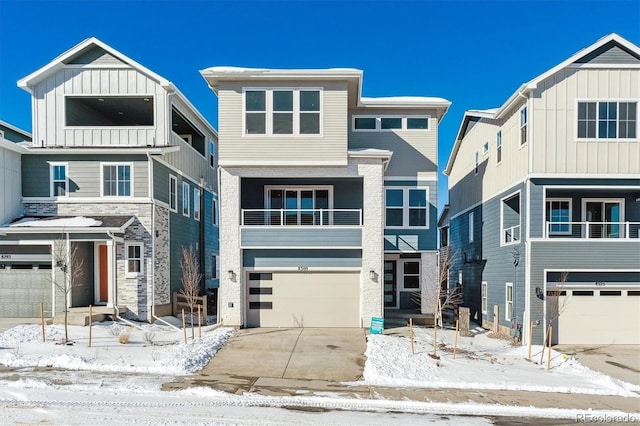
76	222
245	70
483	111
404	100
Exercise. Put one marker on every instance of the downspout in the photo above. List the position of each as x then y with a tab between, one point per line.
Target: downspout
201	237
153	248
113	287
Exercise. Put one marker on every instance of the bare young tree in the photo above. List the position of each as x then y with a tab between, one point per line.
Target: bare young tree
556	301
65	256
191	278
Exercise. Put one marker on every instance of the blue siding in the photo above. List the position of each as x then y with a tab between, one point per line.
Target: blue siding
301	237
211	240
305	258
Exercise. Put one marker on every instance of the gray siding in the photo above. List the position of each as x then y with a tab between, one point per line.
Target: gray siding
302	258
82	293
486	259
610	53
300	237
83	172
211	241
13	136
603	255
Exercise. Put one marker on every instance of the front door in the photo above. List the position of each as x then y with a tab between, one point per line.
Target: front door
103	274
607	218
390	284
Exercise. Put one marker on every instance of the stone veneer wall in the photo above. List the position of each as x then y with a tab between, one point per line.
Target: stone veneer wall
131	292
161	265
231	292
429	276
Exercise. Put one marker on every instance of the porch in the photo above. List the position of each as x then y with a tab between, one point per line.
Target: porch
80	315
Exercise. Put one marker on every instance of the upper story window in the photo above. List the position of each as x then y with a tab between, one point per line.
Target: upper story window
477	157
523	126
173	193
510	219
212	154
196	203
282	111
558	215
388	123
471	227
109	111
59	179
607	120
485	148
185	199
214	212
406	207
117	180
499	147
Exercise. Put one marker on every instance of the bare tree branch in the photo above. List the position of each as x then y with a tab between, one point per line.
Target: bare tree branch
191	278
65	256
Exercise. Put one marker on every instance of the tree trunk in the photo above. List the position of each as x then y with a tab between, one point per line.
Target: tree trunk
193	336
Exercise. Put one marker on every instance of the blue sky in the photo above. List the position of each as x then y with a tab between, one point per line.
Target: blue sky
474	53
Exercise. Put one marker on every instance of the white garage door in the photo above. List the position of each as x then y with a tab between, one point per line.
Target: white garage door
297	299
599	316
22	289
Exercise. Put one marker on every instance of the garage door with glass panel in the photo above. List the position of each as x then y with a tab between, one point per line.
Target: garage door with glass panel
303	299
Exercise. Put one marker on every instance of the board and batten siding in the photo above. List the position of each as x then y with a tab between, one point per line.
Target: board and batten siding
83	172
49	108
330	147
557	149
413	150
10	185
468	188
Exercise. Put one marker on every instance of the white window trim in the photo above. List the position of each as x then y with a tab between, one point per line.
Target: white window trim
268	188
502	242
507	302
128	273
554	199
269	112
173	183
485	149
187	200
196	204
471	227
602	200
499	147
215	266
212	155
403	275
484	295
132	183
524	125
597	139
214	212
66	179
477	163
406	207
403	127
108	95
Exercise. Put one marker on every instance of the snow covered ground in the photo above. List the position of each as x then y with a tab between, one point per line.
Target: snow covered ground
481	363
113	382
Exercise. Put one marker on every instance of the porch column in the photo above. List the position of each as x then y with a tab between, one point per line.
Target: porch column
111	262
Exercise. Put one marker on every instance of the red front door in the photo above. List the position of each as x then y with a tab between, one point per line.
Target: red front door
103	274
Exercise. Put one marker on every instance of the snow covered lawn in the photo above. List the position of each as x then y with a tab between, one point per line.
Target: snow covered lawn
481	363
157	349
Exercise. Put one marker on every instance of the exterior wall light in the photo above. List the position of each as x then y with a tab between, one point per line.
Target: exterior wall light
372	275
231	275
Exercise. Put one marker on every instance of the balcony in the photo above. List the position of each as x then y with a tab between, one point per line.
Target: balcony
301	228
302	217
592	230
511	235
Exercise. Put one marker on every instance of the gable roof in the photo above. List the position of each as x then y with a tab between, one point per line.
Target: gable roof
27	83
578	58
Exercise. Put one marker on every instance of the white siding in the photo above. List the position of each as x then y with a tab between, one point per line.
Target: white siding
10	185
556	148
49	108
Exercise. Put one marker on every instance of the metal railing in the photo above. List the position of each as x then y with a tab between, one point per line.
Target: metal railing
301	217
589	230
511	234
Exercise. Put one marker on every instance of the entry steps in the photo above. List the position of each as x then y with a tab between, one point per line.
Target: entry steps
400	318
80	315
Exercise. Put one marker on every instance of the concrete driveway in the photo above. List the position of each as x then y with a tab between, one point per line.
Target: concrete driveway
332	354
7	323
619	361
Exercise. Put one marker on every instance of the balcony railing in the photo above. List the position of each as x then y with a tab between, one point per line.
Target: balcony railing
301	217
511	234
589	230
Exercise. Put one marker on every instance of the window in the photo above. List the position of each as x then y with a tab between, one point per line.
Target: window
173	193
607	120
485	148
475	171
214	212
471	227
508	302
290	112
605	218
134	258
523	126
306	205
214	267
558	216
499	147
386	123
212	154
196	203
510	219
185	199
411	274
59	179
116	180
406	207
109	111
484	297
